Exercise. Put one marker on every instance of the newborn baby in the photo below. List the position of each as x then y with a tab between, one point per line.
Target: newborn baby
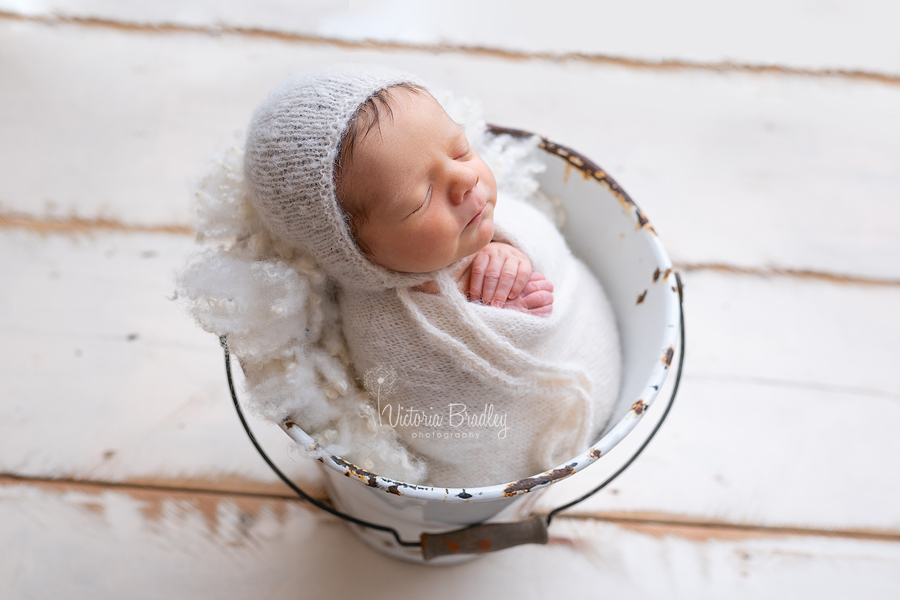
485	344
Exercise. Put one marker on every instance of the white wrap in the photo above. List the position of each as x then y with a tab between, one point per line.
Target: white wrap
537	390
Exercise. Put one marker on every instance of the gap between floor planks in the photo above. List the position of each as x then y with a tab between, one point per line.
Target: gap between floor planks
481	51
658	524
79	225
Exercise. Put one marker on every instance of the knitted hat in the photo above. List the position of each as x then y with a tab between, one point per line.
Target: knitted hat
289	159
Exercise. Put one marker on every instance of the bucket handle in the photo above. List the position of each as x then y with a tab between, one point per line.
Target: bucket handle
482	537
485	537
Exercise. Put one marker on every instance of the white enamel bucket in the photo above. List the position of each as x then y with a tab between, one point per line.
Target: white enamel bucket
613	237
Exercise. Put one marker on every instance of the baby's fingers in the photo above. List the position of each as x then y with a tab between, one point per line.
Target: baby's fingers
523	275
537	283
476	278
491	278
539	303
505	282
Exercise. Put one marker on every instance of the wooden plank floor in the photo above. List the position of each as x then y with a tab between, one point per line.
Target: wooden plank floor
769	163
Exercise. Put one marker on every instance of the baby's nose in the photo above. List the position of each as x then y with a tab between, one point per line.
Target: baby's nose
464	180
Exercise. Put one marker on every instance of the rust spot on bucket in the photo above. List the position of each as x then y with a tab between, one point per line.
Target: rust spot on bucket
642	220
670	352
595	453
288	423
616	191
587	167
361	474
667	273
639	407
394	490
655	274
464	495
524	485
640	298
484	545
591	169
452	546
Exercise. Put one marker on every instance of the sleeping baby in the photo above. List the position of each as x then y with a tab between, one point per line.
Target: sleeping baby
486	346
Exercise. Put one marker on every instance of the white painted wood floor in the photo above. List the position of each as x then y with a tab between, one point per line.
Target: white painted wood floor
762	140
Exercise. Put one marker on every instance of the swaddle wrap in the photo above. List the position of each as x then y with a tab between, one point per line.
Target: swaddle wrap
488	395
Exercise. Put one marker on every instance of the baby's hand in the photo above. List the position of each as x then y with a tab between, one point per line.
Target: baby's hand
499	273
536	297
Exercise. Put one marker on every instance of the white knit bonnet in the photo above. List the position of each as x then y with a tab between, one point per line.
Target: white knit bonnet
289	163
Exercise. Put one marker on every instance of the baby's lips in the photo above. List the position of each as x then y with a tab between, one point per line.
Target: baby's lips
479	213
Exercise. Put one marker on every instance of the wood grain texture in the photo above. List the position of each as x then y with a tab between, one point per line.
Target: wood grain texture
761	140
798	34
758	456
104	379
69	544
810	168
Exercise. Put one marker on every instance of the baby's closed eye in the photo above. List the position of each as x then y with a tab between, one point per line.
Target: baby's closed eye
424	202
463	154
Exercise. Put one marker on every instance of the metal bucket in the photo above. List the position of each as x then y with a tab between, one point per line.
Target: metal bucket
613	237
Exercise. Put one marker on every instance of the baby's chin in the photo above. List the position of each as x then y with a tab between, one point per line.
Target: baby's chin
462	259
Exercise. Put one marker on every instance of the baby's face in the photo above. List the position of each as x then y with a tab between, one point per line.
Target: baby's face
428	195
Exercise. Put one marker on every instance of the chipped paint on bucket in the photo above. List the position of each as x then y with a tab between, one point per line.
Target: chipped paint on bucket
607	231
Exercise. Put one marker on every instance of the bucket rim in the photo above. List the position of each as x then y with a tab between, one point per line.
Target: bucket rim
607	441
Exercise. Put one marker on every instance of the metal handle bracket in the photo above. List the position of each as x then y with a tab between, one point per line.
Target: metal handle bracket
489	537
